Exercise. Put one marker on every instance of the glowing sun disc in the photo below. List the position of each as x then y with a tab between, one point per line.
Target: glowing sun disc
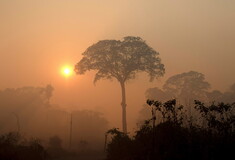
67	71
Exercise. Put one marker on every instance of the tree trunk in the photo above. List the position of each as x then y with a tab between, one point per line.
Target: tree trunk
123	104
70	131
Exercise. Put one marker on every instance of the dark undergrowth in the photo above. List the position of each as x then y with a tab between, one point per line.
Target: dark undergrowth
173	139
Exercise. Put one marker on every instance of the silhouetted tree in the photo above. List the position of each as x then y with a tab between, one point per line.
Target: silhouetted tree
14	146
121	60
190	84
120	145
226	97
229	96
186	87
169	110
156	93
22	104
219	117
214	95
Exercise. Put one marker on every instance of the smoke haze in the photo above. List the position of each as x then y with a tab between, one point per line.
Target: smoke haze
39	37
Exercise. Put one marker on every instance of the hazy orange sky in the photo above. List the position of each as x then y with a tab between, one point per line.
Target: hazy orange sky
38	37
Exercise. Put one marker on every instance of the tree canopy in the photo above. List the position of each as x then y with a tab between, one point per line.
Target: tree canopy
121	59
187	84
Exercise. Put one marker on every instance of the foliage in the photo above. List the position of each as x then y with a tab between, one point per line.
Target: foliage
26	96
120	147
219	117
226	97
22	106
169	110
153	93
187	84
229	96
172	140
120	59
14	146
184	87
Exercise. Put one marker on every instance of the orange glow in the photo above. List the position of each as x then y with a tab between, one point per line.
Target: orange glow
67	71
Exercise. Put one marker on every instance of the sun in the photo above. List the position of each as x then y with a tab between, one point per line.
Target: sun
67	71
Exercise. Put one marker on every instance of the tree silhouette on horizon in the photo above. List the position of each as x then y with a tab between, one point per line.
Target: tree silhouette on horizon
121	60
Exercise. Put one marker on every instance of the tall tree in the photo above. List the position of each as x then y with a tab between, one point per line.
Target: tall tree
188	85
121	60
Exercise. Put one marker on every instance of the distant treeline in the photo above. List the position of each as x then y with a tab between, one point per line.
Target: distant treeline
185	88
28	111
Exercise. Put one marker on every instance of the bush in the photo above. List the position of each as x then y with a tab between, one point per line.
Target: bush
14	147
172	140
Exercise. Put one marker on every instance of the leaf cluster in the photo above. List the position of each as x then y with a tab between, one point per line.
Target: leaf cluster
121	59
219	117
169	110
172	140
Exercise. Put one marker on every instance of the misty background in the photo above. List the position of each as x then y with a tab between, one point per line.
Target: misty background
40	37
